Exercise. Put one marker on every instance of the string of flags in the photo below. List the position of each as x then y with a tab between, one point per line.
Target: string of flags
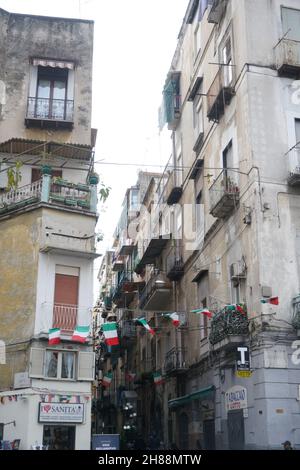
174	317
157	378
110	333
46	398
143	322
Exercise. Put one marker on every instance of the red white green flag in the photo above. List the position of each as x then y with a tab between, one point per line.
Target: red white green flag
238	307
203	311
174	317
110	333
81	333
271	300
54	336
107	378
130	376
143	322
157	377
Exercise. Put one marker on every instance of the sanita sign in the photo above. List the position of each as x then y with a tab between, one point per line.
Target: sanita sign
236	398
61	413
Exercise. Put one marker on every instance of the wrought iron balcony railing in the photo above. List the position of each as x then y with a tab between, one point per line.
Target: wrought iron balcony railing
228	322
50	109
220	93
175	361
224	194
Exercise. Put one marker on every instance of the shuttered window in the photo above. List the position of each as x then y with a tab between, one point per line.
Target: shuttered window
36	368
86	366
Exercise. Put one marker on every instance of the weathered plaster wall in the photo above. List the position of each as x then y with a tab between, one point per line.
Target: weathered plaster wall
53	38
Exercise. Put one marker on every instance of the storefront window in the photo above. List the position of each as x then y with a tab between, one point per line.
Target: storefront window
59	437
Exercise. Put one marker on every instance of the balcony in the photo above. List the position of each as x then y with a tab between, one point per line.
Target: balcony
170	110
154	248
65	194
124	292
126	247
156	294
174	362
220	93
217	11
294	164
224	194
287	58
174	264
117	263
63	316
49	113
228	328
170	186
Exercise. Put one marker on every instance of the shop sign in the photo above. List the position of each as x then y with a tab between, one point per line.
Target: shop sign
243	358
244	374
236	398
61	413
105	441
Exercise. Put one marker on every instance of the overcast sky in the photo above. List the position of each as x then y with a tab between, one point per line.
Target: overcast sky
134	44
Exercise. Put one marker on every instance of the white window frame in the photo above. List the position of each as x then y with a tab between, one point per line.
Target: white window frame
59	364
197	39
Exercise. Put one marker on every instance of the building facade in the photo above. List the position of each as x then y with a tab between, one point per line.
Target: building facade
48	213
224	235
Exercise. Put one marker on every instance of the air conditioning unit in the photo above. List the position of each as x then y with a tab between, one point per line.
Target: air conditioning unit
238	270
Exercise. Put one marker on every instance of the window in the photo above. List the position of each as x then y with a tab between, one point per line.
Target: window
59	364
197	39
297	131
203	322
179	170
291	23
198	116
227	61
51	92
178	223
66	297
199	217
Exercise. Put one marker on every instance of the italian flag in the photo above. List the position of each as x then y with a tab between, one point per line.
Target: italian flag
110	333
106	381
203	311
157	377
271	300
238	307
81	333
54	336
174	317
143	322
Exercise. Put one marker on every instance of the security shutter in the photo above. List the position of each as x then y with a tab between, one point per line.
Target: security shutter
36	368
86	366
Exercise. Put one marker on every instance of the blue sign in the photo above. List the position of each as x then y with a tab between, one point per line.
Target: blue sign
106	442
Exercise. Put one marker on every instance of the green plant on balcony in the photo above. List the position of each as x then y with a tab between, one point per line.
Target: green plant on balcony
228	322
14	176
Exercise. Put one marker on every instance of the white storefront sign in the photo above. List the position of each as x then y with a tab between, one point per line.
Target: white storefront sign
61	413
236	398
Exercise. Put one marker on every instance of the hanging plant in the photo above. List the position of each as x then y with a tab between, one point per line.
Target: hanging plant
14	176
104	192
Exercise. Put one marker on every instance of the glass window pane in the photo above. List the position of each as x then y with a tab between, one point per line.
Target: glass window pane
51	360
59	90
67	365
44	88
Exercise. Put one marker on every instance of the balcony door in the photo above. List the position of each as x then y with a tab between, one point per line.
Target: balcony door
51	94
66	298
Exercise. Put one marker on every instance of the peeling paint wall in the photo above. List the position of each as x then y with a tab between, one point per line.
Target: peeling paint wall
51	38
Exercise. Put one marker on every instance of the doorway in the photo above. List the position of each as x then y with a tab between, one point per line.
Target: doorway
209	434
236	431
183	431
59	437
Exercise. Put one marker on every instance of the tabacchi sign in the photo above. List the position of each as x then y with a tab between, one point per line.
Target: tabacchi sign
236	398
61	413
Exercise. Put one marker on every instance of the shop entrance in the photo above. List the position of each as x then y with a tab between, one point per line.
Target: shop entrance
236	433
59	437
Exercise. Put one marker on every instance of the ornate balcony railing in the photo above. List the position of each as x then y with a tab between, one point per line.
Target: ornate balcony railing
228	322
50	109
174	264
51	191
25	193
175	361
65	317
224	194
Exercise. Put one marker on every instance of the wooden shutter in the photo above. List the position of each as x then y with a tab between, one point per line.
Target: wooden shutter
66	289
36	367
86	366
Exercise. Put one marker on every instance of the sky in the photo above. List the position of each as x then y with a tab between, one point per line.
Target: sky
134	42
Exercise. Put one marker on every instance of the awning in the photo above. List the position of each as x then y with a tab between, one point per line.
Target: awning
197	395
60	64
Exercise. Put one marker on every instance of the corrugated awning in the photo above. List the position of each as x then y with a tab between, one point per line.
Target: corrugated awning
60	64
197	395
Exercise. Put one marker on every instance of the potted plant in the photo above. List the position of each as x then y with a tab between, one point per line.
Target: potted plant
94	178
46	170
